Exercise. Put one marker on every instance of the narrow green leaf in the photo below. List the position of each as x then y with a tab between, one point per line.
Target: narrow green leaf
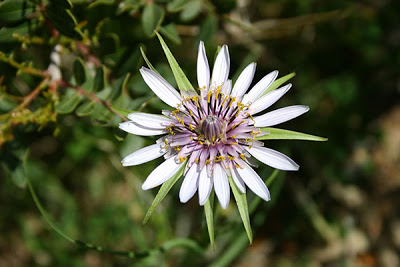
99	79
279	134
171	33
118	86
152	17
86	109
180	77
147	61
279	82
122	111
208	209
241	202
79	71
165	188
68	103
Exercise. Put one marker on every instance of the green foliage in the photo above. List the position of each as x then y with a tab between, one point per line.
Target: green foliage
69	74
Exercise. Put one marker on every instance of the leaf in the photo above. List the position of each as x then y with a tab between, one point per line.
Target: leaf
191	10
86	109
79	71
176	5
165	188
63	21
280	134
99	79
241	202
147	61
279	82
62	3
14	10
152	17
7	103
6	34
130	63
122	111
171	33
68	103
208	210
208	28
118	86
180	77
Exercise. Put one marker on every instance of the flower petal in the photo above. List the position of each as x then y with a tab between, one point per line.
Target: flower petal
134	128
269	99
260	87
238	181
143	155
273	158
203	69
254	182
221	185
162	173
244	80
189	185
205	186
280	115
161	87
221	67
149	120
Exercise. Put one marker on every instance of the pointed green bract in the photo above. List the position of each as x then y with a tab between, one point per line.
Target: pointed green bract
279	82
180	77
147	61
122	111
241	202
165	188
208	209
280	134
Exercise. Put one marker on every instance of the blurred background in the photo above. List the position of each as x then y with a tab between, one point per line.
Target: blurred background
64	65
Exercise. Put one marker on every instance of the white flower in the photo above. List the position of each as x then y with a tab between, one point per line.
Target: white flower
212	133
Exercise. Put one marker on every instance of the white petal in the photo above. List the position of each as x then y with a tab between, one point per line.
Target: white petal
221	67
189	185
254	182
280	115
161	87
269	99
221	186
134	128
149	120
203	70
226	88
143	155
238	181
205	186
260	87
162	173
273	158
244	80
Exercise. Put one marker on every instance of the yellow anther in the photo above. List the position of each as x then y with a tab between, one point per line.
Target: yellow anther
208	161
197	160
177	148
242	156
223	102
233	143
181	159
209	96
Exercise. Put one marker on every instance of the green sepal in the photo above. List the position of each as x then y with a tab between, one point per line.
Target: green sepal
279	82
281	134
180	77
122	111
165	188
147	60
208	210
243	208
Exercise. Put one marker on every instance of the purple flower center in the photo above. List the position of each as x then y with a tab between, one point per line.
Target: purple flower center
211	127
